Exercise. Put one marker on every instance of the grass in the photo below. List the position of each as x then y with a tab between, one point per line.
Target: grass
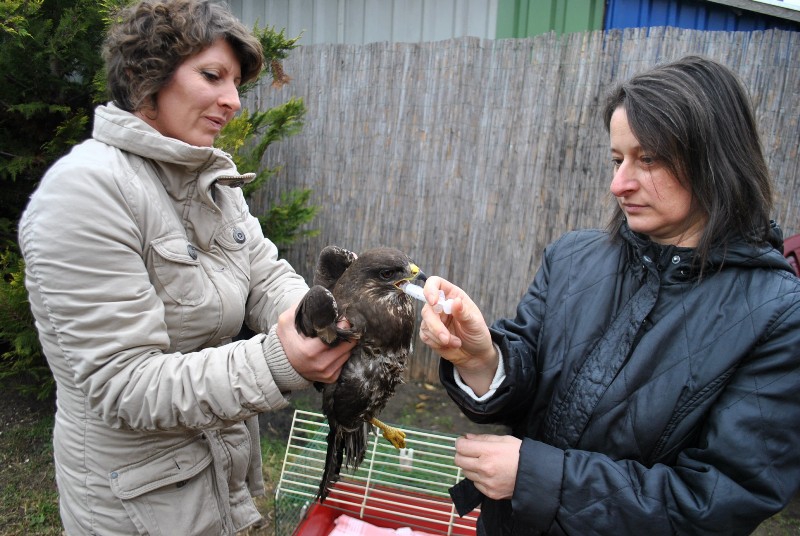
781	524
28	500
272	454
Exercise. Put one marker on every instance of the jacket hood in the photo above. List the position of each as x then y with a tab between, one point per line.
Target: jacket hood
764	255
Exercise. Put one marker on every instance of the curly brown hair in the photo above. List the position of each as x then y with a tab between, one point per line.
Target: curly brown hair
151	38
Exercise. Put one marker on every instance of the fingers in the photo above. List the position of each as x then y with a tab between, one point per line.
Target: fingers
434	284
437	326
310	356
316	361
461	337
332	360
437	339
463	309
490	462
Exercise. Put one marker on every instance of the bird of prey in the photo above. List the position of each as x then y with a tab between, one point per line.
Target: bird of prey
365	290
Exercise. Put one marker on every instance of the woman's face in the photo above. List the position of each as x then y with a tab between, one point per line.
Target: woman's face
200	98
655	203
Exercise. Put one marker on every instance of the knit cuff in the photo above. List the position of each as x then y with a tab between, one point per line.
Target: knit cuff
283	374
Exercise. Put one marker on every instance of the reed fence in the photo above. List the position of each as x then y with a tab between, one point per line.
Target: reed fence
472	155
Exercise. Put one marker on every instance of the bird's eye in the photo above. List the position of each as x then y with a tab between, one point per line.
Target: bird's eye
387	275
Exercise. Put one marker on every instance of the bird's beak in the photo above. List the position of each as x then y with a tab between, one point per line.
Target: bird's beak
416	275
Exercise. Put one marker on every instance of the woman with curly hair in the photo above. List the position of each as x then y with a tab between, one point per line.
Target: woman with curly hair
143	264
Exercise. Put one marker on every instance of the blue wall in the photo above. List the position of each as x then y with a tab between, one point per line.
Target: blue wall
691	14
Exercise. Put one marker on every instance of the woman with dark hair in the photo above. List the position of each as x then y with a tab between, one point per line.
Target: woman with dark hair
695	119
142	264
651	375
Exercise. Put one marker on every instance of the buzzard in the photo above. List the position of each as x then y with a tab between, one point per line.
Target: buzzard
365	290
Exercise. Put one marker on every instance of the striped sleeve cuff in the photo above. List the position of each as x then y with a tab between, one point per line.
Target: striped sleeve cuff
284	375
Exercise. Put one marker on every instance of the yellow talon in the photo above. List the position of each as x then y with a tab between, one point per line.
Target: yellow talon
395	436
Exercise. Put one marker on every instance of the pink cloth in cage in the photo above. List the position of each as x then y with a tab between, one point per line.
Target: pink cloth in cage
350	526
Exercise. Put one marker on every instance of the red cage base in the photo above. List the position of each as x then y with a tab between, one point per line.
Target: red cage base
386	508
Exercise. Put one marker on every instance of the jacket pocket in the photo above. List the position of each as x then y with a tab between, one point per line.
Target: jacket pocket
685	424
172	492
236	439
232	243
178	270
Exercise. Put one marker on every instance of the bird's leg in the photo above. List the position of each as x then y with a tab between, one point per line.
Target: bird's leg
395	436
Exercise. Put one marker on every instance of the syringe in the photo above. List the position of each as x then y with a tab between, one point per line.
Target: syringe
415	291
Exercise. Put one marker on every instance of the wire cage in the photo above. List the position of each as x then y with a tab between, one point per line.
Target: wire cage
392	488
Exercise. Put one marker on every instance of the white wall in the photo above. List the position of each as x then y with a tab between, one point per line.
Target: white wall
368	21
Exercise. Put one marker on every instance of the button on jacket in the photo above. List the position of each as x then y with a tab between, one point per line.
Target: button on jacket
142	264
649	401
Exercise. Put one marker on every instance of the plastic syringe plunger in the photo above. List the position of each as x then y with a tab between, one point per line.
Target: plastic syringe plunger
415	291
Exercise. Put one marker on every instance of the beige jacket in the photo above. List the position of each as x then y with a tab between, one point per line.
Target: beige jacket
142	263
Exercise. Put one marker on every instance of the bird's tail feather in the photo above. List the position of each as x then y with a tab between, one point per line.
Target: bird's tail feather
344	448
333	464
355	446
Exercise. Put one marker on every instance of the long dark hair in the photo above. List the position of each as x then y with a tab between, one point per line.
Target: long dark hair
695	116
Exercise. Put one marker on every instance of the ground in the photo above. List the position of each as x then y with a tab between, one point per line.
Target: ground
26	462
418	404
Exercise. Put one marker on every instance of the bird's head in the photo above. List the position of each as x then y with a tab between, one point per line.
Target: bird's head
370	298
384	270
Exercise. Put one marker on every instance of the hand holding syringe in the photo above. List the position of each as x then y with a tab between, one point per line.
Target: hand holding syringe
415	291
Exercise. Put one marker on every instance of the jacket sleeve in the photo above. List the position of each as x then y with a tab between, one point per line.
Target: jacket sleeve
274	287
102	324
274	284
517	340
743	468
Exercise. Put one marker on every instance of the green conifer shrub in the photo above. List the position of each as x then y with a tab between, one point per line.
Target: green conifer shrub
51	78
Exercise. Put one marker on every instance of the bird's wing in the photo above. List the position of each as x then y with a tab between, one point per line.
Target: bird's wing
331	264
317	314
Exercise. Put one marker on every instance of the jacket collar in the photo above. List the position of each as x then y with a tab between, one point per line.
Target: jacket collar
677	263
208	165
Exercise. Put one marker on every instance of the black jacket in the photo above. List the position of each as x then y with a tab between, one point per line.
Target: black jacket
649	403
